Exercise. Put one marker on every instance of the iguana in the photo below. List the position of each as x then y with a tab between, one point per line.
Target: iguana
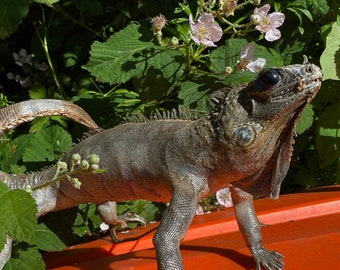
244	143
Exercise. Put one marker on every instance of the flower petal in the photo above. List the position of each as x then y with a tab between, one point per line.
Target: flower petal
256	65
276	19
206	18
208	43
272	34
216	33
247	51
262	11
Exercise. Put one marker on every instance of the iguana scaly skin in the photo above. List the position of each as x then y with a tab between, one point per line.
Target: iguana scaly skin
18	113
244	143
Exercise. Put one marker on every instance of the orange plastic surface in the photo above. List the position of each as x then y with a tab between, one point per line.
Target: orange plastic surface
305	227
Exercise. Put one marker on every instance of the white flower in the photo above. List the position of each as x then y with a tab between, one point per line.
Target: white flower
223	197
205	31
247	60
22	57
267	23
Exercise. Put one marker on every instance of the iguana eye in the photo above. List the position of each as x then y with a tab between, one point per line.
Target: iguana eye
268	79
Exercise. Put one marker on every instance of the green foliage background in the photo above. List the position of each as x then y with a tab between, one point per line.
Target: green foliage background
103	56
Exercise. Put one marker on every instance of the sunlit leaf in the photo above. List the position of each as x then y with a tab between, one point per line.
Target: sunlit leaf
330	58
306	120
328	134
18	213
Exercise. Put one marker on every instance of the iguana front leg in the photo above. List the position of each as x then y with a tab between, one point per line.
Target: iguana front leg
250	228
174	224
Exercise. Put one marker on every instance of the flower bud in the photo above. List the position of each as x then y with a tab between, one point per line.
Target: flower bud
93	159
255	19
76	158
174	41
85	164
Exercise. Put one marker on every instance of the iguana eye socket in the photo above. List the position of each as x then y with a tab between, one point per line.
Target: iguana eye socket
268	79
244	135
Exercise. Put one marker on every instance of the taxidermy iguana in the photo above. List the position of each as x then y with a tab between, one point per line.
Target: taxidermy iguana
244	143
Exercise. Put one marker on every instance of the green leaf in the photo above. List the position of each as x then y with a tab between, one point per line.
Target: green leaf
120	57
37	91
18	213
328	134
194	89
26	258
127	54
45	239
3	238
330	58
47	145
306	120
11	14
86	220
47	2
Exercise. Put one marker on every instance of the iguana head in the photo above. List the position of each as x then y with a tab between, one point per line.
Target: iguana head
257	123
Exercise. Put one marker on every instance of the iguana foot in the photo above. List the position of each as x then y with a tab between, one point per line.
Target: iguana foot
268	259
108	214
123	219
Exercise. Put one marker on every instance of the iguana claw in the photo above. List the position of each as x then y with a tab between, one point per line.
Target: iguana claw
268	259
108	214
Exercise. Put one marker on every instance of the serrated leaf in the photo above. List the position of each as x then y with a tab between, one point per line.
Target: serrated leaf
27	258
18	213
109	61
330	58
45	239
47	145
126	54
306	120
11	14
